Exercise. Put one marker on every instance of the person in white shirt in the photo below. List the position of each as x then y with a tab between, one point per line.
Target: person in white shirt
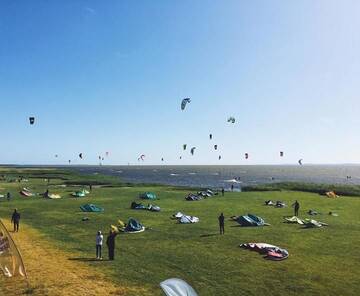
99	242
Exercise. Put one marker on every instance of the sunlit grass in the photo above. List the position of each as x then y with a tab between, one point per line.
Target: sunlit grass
321	262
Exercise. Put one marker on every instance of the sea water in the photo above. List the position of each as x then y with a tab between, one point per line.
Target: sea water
225	176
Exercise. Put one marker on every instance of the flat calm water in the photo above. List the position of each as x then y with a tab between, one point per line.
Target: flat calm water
225	176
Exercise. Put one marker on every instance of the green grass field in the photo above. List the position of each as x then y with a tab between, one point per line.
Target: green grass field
322	261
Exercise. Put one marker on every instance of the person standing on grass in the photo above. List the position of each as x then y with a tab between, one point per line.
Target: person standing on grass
110	242
8	196
90	187
296	207
15	218
99	242
222	223
222	191
232	187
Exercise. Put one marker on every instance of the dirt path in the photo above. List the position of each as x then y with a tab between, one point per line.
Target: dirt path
50	272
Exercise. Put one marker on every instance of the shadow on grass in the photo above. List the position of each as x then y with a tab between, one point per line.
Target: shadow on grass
83	259
209	235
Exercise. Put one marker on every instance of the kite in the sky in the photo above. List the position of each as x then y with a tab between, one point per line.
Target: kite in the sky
162	159
192	150
141	157
32	120
231	119
81	156
180	157
215	147
246	155
56	155
281	153
184	102
210	136
300	161
69	161
219	157
184	146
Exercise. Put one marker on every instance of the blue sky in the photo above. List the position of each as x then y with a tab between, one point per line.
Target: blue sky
110	76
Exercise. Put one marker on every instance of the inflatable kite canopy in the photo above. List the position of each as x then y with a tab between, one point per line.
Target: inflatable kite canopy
184	102
11	263
177	287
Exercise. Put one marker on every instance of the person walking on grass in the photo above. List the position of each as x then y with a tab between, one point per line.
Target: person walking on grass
222	223
99	243
110	242
296	207
15	218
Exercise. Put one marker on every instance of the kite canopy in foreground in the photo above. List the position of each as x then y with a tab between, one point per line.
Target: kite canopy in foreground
11	263
331	194
177	287
91	208
184	102
270	252
294	220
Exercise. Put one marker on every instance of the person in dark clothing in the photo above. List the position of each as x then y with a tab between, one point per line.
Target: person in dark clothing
222	191
232	187
222	223
296	206
15	218
110	242
90	187
46	194
8	196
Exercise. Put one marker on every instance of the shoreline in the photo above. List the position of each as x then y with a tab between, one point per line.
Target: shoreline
113	180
